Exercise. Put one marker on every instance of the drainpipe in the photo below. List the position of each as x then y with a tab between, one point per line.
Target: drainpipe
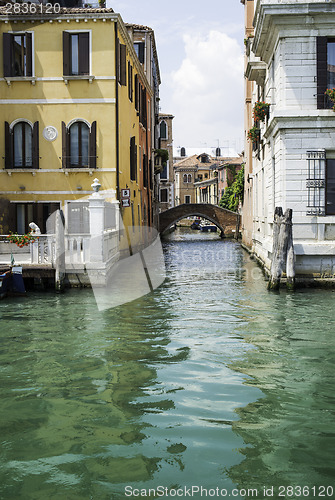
117	131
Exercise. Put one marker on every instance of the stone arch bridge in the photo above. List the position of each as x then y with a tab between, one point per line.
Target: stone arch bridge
228	222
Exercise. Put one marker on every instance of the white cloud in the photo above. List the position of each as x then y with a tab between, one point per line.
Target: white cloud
207	90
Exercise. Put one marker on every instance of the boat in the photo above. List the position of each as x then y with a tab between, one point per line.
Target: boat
196	224
11	282
208	228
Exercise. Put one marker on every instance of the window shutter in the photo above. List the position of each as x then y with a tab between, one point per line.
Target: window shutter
84	51
7	54
136	93
36	149
141	46
65	146
66	53
8	147
117	60
321	58
93	146
123	66
133	159
29	52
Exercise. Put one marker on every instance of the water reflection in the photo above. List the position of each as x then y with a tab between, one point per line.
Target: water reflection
289	432
208	381
74	392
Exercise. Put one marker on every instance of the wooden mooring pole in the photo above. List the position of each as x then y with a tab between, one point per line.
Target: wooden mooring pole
283	250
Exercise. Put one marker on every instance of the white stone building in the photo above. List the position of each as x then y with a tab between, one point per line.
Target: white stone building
291	62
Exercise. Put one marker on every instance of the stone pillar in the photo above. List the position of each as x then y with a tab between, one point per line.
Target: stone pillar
60	252
97	223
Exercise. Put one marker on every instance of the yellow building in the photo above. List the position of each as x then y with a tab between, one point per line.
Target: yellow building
76	104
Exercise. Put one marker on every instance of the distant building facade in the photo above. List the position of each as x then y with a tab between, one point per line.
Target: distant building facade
166	196
196	179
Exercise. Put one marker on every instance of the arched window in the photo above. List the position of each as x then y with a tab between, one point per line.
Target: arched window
189	178
163	130
79	144
79	133
183	152
23	145
185	177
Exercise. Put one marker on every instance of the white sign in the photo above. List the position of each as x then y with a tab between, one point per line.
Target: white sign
125	202
125	193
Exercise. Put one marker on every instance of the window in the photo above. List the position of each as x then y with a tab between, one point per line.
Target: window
79	145
183	152
76	53
139	49
325	69
189	178
43	214
164	173
130	81
330	187
163	130
206	176
133	159
121	63
17	54
185	178
187	198
21	144
164	195
137	93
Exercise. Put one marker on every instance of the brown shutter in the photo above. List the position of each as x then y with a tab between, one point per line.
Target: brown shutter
321	61
8	147
65	146
93	146
133	159
117	60
36	149
29	55
123	65
141	52
66	53
7	54
84	53
136	93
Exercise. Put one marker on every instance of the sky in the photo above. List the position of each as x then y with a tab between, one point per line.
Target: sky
200	51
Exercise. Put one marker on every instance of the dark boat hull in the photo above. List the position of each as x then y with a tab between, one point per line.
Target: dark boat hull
11	283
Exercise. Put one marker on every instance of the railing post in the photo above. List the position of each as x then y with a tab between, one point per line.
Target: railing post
60	252
97	223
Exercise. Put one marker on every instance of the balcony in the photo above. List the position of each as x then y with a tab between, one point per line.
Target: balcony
256	69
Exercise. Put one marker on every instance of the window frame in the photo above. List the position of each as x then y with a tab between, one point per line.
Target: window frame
67	55
165	138
323	102
9	145
8	55
92	145
167	195
327	186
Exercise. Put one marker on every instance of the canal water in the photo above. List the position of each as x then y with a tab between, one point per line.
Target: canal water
209	386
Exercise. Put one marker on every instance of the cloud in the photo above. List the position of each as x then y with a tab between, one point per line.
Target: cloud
207	90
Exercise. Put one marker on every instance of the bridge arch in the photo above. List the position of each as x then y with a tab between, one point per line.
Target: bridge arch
225	220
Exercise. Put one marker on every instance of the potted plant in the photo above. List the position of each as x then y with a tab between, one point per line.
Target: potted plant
331	94
254	134
261	111
22	240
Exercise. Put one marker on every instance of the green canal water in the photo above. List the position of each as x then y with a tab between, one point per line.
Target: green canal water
208	382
